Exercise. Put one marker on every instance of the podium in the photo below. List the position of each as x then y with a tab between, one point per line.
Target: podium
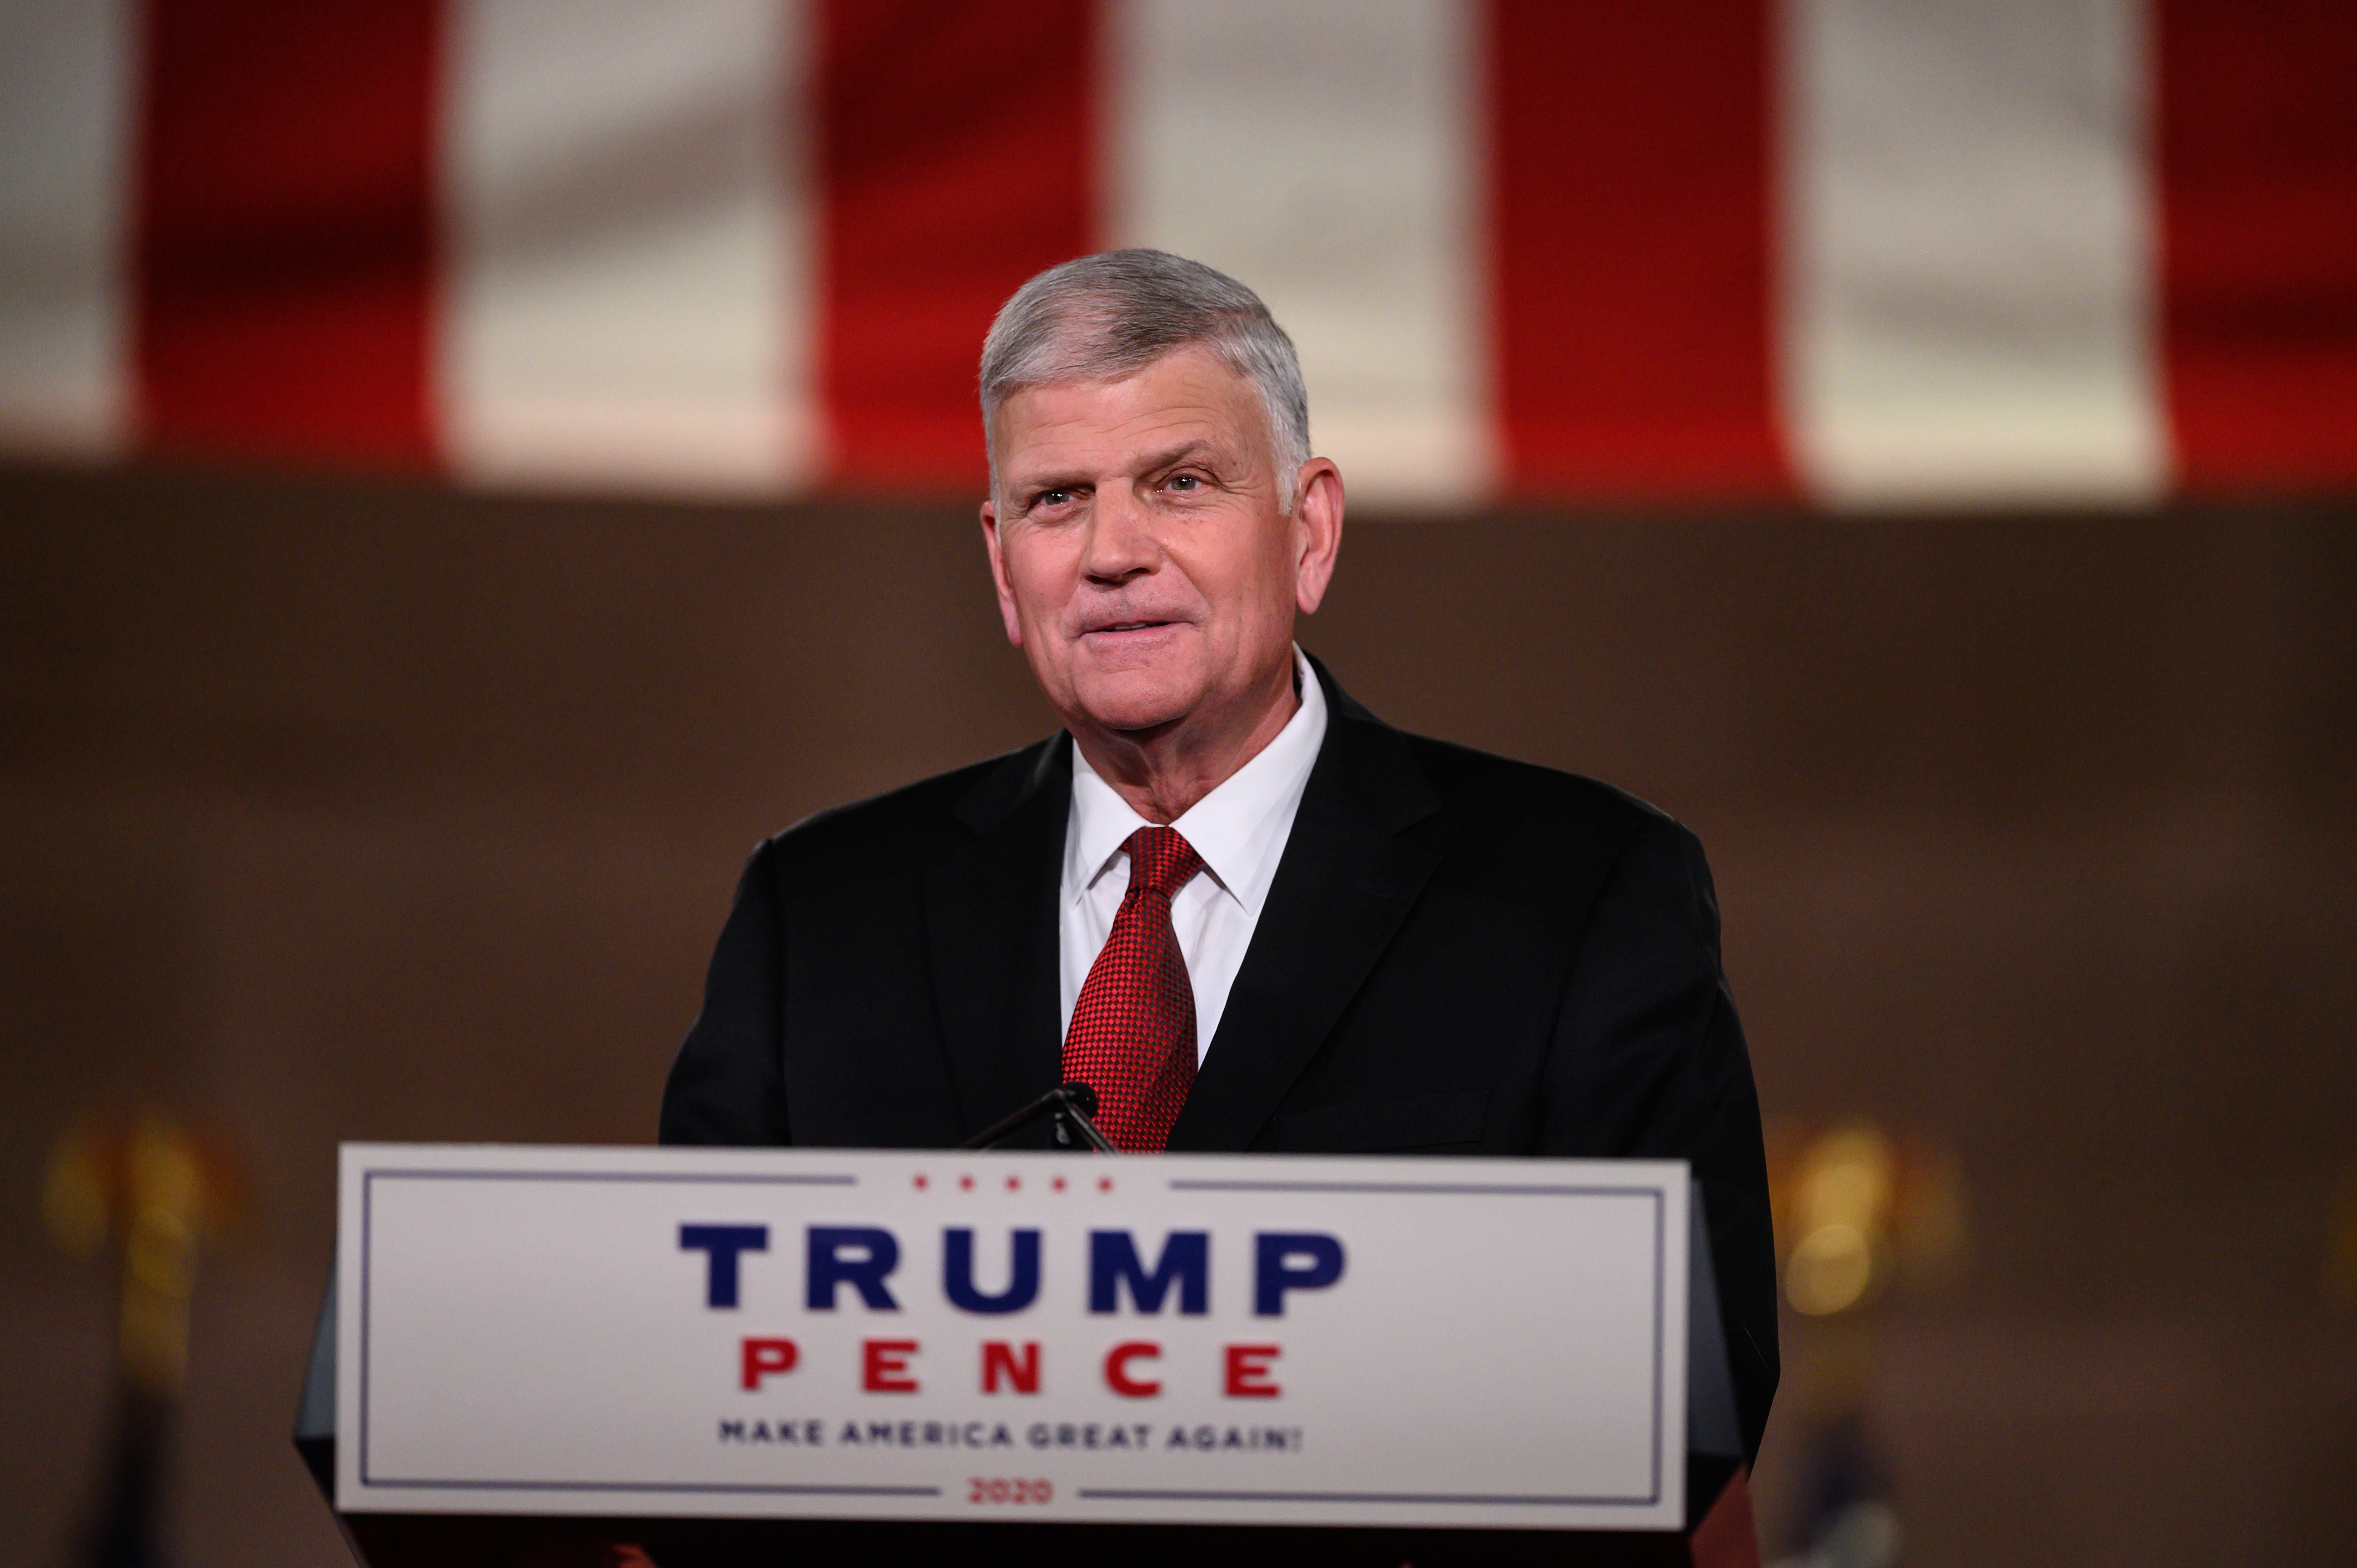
541	1355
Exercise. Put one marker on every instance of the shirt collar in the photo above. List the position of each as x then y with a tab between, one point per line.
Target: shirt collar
1237	829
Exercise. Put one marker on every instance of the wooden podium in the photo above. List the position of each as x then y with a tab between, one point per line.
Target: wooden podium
539	1358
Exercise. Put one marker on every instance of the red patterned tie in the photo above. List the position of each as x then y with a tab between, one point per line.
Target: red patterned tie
1133	1033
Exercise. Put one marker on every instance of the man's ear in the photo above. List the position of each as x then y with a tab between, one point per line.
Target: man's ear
1317	533
997	548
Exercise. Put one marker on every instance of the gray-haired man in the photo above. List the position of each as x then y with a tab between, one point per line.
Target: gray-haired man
1245	910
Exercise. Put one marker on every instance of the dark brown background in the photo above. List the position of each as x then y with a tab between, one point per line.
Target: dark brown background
332	809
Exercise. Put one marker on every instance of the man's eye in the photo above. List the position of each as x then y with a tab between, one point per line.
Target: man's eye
1184	482
1053	498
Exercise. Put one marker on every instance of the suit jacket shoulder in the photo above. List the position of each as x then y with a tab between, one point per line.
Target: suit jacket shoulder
880	964
897	830
1461	773
1521	810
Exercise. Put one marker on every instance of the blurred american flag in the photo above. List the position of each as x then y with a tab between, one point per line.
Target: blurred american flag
1863	252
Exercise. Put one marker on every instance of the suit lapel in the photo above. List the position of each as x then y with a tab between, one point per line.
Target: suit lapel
990	923
1345	883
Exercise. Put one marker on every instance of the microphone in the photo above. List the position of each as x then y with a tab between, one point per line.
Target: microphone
1072	1105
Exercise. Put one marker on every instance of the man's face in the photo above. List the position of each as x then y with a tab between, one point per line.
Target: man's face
1143	563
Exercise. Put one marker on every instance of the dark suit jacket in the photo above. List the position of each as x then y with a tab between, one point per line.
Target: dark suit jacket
1460	955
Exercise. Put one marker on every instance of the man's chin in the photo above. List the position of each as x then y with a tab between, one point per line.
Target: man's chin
1137	704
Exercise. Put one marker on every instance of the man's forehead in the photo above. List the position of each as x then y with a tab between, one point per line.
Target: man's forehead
1186	397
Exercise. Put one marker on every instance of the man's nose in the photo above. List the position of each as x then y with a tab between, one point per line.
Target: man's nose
1120	545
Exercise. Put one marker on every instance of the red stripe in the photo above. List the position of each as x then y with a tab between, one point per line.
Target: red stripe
2258	174
284	225
956	150
1631	226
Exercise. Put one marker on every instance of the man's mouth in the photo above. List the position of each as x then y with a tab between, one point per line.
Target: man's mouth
1119	626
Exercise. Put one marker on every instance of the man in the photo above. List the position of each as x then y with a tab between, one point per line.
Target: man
1247	912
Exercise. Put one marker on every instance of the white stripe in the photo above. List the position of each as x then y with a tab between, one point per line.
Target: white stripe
628	300
1970	252
67	76
1327	154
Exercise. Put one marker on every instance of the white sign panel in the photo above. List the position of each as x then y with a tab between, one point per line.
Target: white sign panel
1203	1338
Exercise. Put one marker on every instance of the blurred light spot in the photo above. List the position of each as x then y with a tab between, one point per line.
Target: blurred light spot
1830	1271
1847	1180
161	1188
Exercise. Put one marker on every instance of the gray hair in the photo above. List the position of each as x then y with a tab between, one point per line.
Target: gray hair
1108	317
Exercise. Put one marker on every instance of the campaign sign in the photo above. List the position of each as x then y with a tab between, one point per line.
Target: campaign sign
823	1333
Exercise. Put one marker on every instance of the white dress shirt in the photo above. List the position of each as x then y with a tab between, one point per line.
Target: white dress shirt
1239	830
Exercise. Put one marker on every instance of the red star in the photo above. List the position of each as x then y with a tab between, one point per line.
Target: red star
1104	1183
966	1182
921	1181
1014	1184
1058	1184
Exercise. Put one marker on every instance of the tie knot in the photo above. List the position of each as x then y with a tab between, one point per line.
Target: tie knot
1160	860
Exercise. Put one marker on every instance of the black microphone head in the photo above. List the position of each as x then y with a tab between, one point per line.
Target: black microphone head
1082	1098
